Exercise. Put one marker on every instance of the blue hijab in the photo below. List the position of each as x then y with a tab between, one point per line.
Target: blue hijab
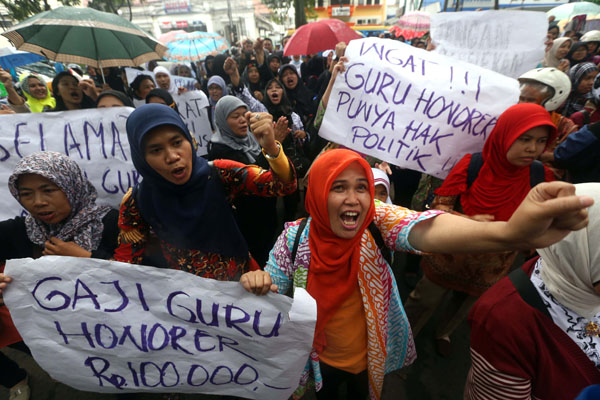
195	215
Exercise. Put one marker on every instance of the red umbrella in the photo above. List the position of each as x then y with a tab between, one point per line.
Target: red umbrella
319	36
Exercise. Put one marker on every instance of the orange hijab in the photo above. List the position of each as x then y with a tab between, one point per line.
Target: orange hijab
334	261
500	186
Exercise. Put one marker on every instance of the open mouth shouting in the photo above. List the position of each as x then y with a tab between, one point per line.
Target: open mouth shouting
349	220
179	173
76	96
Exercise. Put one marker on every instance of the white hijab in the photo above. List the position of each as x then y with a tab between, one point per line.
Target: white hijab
571	266
162	70
381	178
550	59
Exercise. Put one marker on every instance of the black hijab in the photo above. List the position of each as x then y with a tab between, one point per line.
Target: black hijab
574	48
252	87
195	215
283	109
162	94
217	67
300	97
119	95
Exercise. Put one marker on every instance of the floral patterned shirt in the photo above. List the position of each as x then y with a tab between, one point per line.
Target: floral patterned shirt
238	179
390	342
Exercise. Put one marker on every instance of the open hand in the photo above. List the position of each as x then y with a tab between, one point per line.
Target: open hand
281	129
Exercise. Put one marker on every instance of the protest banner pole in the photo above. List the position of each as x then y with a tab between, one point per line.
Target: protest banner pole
101	71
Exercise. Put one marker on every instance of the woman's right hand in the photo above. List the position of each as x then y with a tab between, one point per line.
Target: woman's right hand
231	68
4	281
6	79
339	67
258	282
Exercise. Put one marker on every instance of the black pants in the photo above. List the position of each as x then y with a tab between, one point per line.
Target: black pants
357	385
10	372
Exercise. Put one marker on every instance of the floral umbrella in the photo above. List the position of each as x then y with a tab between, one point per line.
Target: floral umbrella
412	25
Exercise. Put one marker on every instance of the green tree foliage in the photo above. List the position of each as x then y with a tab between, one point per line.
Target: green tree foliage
111	6
22	9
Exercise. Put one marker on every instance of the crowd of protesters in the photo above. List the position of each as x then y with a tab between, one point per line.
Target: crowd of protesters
535	330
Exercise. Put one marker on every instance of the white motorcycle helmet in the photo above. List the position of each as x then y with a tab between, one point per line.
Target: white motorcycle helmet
554	78
591	36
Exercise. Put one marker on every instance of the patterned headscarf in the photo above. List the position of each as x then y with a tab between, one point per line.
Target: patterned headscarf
576	101
84	225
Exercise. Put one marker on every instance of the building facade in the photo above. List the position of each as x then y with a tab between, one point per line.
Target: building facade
353	12
233	19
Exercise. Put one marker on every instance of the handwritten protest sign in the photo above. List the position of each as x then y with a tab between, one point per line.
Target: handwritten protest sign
508	42
414	108
132	73
112	327
184	82
192	108
95	139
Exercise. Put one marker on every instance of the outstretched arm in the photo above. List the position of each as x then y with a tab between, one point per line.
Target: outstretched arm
549	212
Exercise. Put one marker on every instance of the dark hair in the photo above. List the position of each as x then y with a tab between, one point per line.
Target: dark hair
162	94
86	102
117	94
137	82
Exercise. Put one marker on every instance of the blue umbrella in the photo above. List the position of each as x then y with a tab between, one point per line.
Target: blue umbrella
195	46
11	58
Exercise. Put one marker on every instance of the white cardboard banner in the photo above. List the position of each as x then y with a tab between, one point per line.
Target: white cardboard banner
412	108
510	42
184	82
192	107
95	138
106	326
